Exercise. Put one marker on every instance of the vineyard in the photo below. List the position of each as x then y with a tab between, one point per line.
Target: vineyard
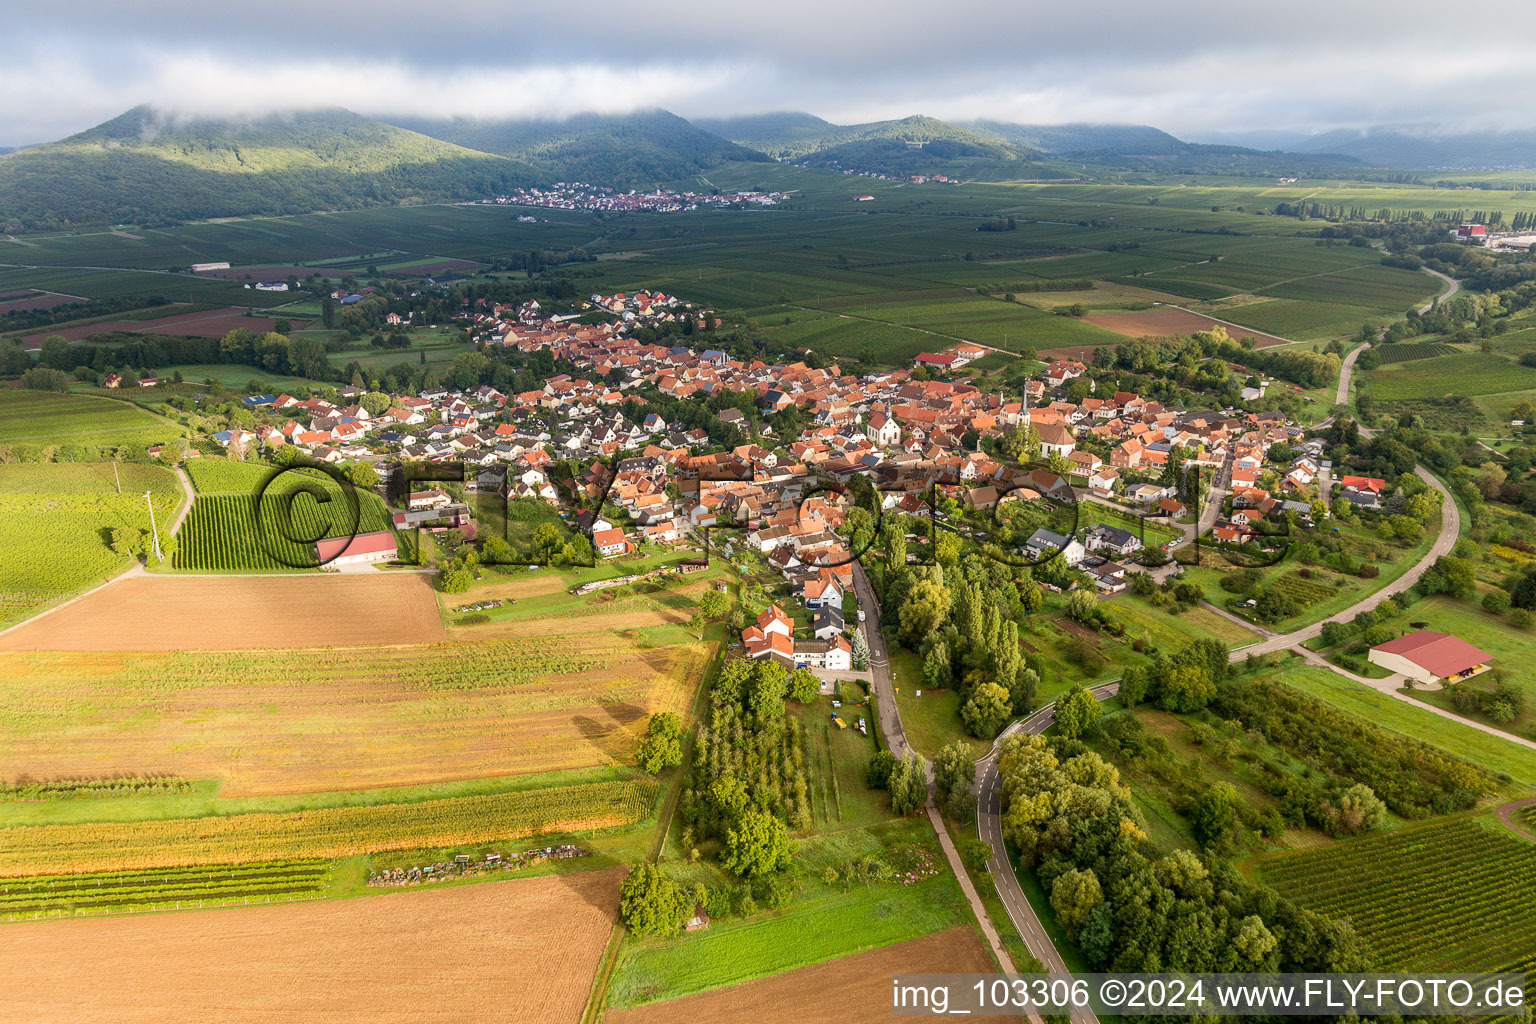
220	475
53	521
1407	353
1448	896
161	889
223	533
325	833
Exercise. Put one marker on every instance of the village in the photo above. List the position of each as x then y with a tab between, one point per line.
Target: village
575	195
931	443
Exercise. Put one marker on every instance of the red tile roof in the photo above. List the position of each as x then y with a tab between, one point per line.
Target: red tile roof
1440	653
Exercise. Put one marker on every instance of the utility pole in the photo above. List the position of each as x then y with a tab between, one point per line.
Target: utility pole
153	529
117	476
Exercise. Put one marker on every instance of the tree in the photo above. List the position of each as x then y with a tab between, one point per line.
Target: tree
1134	684
714	604
860	651
938	674
374	402
766	697
454	579
1214	816
924	610
895	547
953	774
757	845
1186	688
127	540
908	785
1021	695
1496	602
651	903
987	711
363	474
1077	711
1074	895
803	685
1359	810
1458	578
41	378
662	746
1082	605
878	774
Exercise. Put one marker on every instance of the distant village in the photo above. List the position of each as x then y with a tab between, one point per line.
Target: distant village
580	196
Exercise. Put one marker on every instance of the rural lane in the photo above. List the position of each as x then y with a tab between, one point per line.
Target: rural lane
889	724
989	824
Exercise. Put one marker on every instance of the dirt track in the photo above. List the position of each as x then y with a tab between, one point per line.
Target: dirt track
521	950
188	613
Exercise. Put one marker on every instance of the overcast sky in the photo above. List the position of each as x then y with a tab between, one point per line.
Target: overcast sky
1197	68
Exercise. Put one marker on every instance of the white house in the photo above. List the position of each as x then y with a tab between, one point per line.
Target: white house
1043	544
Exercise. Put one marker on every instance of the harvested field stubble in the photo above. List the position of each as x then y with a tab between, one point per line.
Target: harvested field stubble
522	950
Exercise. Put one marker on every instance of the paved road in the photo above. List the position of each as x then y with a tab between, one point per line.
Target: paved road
889	722
989	823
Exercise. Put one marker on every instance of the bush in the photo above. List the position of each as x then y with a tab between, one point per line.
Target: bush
1496	602
878	774
1521	618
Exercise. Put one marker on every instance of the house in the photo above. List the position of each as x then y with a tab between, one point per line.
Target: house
610	542
1430	657
435	498
1055	439
828	622
1364	484
1103	481
1146	494
361	549
1043	545
770	635
834	655
1063	370
1108	577
821	593
1101	537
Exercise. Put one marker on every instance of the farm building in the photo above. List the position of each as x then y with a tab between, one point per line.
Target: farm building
936	361
1430	657
359	550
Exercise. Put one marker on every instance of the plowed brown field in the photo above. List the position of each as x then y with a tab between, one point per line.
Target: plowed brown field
189	613
852	990
523	950
1157	323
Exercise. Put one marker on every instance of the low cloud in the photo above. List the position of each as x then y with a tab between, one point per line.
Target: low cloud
1190	66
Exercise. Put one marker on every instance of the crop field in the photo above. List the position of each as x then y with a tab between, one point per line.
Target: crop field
159	889
38	419
466	953
276	532
214	323
1406	352
1454	895
171	613
322	834
54	519
1465	373
126	283
852	990
272	721
30	300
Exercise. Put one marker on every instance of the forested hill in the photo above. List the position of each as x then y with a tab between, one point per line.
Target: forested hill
145	167
627	150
